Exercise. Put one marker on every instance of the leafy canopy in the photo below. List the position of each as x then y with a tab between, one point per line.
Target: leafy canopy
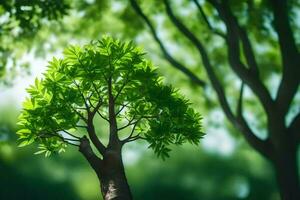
79	86
20	21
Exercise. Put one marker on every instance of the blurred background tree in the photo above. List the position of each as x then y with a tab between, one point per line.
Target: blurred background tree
19	22
246	175
237	55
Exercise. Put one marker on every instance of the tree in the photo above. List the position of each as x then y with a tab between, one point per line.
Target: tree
106	81
20	21
273	32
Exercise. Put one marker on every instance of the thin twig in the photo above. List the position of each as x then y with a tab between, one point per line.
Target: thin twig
81	126
83	98
222	35
122	87
71	134
123	106
130	122
102	116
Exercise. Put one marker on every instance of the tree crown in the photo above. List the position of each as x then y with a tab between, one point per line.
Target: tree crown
112	80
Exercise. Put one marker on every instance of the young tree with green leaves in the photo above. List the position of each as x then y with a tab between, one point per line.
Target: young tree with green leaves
106	82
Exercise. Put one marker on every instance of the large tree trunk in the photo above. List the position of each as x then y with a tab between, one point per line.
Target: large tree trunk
111	174
286	168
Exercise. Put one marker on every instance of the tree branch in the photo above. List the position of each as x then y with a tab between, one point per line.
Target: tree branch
222	35
240	101
80	126
130	122
130	135
122	108
113	129
247	47
87	152
262	146
250	78
207	65
94	138
96	108
102	116
122	87
91	129
166	54
248	50
98	93
76	145
82	95
79	114
265	147
289	54
294	128
70	134
65	140
131	138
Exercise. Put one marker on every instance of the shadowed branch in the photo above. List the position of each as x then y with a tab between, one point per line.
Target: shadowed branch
210	27
166	54
260	145
249	78
290	56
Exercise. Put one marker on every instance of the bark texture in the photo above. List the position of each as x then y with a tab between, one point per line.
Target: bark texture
110	171
114	185
286	169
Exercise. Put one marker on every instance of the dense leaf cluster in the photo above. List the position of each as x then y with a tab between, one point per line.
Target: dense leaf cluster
79	86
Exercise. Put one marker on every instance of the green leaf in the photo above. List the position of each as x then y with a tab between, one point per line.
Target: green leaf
21	131
40	152
25	143
48	153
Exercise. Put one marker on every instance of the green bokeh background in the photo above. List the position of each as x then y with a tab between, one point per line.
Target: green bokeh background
222	167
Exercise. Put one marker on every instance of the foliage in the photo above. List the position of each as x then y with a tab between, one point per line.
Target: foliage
92	79
20	20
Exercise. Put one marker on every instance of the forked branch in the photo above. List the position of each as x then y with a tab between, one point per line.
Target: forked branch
123	106
290	55
262	146
249	78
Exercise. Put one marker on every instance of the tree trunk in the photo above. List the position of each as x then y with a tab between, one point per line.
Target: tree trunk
111	174
110	170
286	168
